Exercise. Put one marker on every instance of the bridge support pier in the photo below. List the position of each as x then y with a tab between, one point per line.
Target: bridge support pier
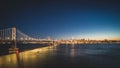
13	49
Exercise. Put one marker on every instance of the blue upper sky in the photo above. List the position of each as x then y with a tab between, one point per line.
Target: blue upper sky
93	19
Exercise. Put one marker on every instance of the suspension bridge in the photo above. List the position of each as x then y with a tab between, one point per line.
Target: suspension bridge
14	36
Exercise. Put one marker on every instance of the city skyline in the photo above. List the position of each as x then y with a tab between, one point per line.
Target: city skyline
63	19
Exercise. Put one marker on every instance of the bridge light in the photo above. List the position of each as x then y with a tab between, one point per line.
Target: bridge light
29	38
8	38
21	38
25	38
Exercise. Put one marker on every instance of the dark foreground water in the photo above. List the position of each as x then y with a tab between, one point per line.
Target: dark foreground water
65	56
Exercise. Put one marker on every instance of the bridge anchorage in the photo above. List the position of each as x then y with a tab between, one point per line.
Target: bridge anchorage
14	36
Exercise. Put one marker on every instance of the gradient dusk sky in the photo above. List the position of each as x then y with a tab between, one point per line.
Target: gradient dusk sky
93	19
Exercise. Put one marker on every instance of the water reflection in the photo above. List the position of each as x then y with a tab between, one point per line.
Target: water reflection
27	59
61	56
9	61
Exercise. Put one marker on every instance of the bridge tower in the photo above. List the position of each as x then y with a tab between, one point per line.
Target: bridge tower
13	48
14	37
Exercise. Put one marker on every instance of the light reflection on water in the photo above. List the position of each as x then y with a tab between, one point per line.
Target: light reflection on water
8	60
74	55
24	59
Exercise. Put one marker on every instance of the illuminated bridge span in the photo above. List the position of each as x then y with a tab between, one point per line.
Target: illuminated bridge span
10	34
13	36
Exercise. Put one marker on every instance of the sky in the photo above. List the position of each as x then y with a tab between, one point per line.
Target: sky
63	19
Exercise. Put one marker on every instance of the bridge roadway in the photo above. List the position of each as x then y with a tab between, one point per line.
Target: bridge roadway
27	41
